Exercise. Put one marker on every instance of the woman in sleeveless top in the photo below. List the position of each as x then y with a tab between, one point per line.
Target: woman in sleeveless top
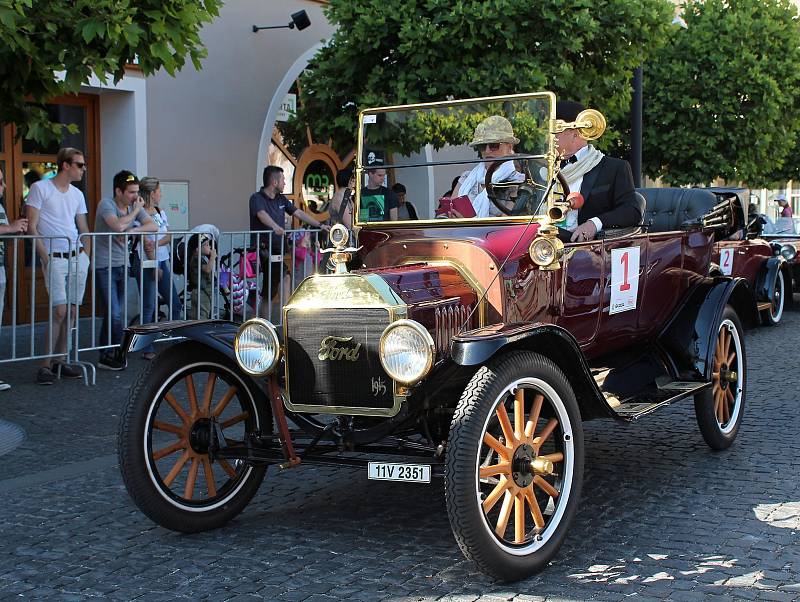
156	247
341	210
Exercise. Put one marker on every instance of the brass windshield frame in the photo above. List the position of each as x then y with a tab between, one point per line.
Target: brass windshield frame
551	157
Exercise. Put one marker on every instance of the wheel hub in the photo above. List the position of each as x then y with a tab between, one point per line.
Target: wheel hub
200	435
726	376
521	470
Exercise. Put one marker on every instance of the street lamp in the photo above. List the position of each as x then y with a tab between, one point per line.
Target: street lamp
299	20
636	116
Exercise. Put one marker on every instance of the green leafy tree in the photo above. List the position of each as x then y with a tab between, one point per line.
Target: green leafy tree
51	47
388	52
722	98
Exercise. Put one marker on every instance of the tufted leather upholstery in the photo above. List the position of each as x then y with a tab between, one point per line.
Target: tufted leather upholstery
670	208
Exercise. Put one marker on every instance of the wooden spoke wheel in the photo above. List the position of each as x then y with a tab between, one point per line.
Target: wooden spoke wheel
514	465
773	315
187	401
719	409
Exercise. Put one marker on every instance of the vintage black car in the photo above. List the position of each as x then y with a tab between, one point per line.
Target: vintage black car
468	349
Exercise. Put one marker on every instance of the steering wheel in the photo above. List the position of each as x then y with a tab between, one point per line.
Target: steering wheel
515	198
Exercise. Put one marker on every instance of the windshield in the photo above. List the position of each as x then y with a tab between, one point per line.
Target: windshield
484	158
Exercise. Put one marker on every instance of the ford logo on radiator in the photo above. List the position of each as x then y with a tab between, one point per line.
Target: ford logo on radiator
329	349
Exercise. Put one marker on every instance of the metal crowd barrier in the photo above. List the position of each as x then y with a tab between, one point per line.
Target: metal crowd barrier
242	283
22	335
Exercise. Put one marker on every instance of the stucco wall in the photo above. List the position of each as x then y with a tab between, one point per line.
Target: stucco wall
205	127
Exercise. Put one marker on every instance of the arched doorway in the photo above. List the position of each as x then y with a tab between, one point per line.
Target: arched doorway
310	165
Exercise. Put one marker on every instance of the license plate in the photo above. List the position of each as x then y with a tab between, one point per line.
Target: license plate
386	471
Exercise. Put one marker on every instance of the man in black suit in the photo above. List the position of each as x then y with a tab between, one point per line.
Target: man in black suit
605	183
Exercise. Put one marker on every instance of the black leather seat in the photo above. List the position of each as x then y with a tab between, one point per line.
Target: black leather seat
669	209
619	232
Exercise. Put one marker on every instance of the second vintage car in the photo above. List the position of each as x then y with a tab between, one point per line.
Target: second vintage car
739	250
471	349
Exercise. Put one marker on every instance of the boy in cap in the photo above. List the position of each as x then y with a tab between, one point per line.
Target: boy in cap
378	203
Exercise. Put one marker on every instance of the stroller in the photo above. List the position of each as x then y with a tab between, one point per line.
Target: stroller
238	283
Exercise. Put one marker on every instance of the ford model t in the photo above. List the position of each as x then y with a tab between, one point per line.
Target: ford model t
465	348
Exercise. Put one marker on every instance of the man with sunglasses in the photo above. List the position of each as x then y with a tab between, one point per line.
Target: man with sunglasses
493	139
56	211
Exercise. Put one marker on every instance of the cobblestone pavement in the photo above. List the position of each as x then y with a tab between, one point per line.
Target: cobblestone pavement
662	517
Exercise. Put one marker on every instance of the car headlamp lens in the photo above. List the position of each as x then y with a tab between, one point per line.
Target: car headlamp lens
407	351
257	347
788	252
543	251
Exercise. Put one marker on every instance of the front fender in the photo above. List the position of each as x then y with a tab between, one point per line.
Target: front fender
765	285
690	336
217	334
478	346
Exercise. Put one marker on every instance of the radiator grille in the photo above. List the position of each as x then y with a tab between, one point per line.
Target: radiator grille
448	321
351	375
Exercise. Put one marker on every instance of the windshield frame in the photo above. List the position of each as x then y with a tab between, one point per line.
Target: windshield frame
360	170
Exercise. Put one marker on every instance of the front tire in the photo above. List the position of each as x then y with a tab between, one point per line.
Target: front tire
164	438
719	410
535	465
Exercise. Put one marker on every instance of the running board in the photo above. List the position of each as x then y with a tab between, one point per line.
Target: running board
763	305
654	397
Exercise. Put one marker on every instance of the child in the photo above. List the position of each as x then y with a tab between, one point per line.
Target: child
206	258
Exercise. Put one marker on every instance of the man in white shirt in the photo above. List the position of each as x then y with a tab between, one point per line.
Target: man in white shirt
56	212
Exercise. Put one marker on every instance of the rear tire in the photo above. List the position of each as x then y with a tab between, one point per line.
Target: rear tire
164	436
719	410
535	465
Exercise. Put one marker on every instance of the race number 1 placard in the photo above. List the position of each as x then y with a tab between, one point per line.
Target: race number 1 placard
624	279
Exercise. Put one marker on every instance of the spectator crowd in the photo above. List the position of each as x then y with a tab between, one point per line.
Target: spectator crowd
130	237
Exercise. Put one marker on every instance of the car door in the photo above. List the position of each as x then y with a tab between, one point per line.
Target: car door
625	262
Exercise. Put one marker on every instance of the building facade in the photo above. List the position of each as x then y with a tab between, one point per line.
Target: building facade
209	132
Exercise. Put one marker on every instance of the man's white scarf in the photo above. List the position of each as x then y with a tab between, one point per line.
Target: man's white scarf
574	171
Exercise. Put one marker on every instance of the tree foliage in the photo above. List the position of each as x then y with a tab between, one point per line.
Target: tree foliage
722	98
51	47
388	52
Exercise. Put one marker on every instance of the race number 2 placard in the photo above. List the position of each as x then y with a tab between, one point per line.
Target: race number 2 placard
624	279
726	261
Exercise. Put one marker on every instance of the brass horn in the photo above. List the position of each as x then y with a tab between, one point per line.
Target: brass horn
590	123
558	211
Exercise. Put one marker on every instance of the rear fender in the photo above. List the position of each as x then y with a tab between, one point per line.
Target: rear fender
216	334
690	336
479	346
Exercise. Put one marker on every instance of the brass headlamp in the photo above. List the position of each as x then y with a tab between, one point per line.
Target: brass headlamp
546	249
